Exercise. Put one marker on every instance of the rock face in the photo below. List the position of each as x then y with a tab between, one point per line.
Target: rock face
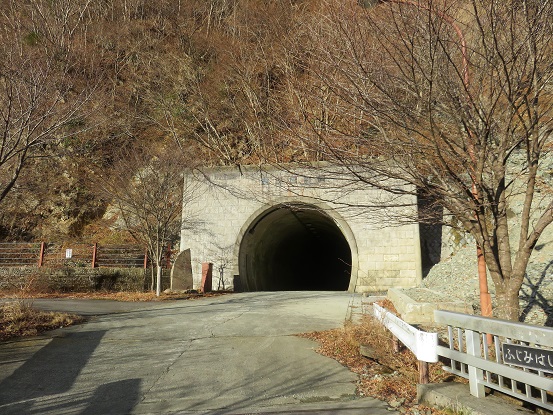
181	273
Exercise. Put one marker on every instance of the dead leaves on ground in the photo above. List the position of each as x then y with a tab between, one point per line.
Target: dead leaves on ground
391	377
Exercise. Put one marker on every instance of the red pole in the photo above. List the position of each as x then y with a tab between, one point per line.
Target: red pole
485	298
41	255
94	253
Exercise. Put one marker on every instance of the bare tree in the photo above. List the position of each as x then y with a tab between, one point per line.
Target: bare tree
223	260
225	108
452	97
41	102
146	187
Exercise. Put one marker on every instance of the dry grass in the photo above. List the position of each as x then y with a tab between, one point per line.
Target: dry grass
391	377
111	295
19	319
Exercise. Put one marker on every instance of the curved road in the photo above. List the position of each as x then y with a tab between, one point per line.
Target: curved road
233	354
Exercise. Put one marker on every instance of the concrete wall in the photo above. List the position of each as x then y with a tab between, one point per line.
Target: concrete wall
222	203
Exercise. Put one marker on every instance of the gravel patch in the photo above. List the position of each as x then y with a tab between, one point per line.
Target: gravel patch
456	277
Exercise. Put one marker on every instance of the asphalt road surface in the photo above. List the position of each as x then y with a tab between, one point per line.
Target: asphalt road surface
234	354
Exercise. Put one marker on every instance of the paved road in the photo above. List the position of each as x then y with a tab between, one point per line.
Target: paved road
234	354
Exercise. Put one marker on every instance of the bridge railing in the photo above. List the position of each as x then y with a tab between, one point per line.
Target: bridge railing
518	362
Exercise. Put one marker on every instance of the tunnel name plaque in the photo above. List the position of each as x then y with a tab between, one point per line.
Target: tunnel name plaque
293	180
528	357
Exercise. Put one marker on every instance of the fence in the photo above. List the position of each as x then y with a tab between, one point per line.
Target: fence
121	256
19	254
519	362
39	254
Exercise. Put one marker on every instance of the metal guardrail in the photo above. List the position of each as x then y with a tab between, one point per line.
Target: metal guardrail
121	256
19	254
68	255
424	345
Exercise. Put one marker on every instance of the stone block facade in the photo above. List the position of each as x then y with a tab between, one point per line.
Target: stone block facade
223	205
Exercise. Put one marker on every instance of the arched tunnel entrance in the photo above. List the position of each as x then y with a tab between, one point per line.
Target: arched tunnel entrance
294	247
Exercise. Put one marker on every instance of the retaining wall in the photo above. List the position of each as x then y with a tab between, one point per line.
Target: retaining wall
73	279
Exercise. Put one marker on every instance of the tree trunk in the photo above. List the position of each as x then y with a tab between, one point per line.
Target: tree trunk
507	303
158	285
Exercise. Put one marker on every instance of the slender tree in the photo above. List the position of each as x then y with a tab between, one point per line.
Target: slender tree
146	187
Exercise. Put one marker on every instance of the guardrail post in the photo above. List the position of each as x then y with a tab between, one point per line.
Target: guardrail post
396	344
41	255
424	377
476	376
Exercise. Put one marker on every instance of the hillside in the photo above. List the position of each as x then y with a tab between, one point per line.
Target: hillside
197	78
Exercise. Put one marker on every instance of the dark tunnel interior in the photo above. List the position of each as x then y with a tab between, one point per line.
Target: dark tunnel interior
294	248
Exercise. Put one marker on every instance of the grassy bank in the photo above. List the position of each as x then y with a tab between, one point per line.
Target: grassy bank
19	319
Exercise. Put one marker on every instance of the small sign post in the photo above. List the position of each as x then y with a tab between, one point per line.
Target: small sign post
68	253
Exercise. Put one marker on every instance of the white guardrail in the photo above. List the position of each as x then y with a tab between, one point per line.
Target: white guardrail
424	345
518	362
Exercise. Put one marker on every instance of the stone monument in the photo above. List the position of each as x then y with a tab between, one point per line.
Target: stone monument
181	273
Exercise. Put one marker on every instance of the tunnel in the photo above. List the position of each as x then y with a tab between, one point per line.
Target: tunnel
294	247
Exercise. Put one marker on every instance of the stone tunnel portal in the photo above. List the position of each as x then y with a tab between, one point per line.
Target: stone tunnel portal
294	247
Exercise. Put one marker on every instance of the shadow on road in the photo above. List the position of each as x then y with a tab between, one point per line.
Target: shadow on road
219	357
114	398
51	370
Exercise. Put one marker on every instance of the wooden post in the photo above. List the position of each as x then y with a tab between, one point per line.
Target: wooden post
423	373
94	254
41	255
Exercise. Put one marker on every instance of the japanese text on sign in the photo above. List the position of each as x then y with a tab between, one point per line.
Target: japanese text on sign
530	357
